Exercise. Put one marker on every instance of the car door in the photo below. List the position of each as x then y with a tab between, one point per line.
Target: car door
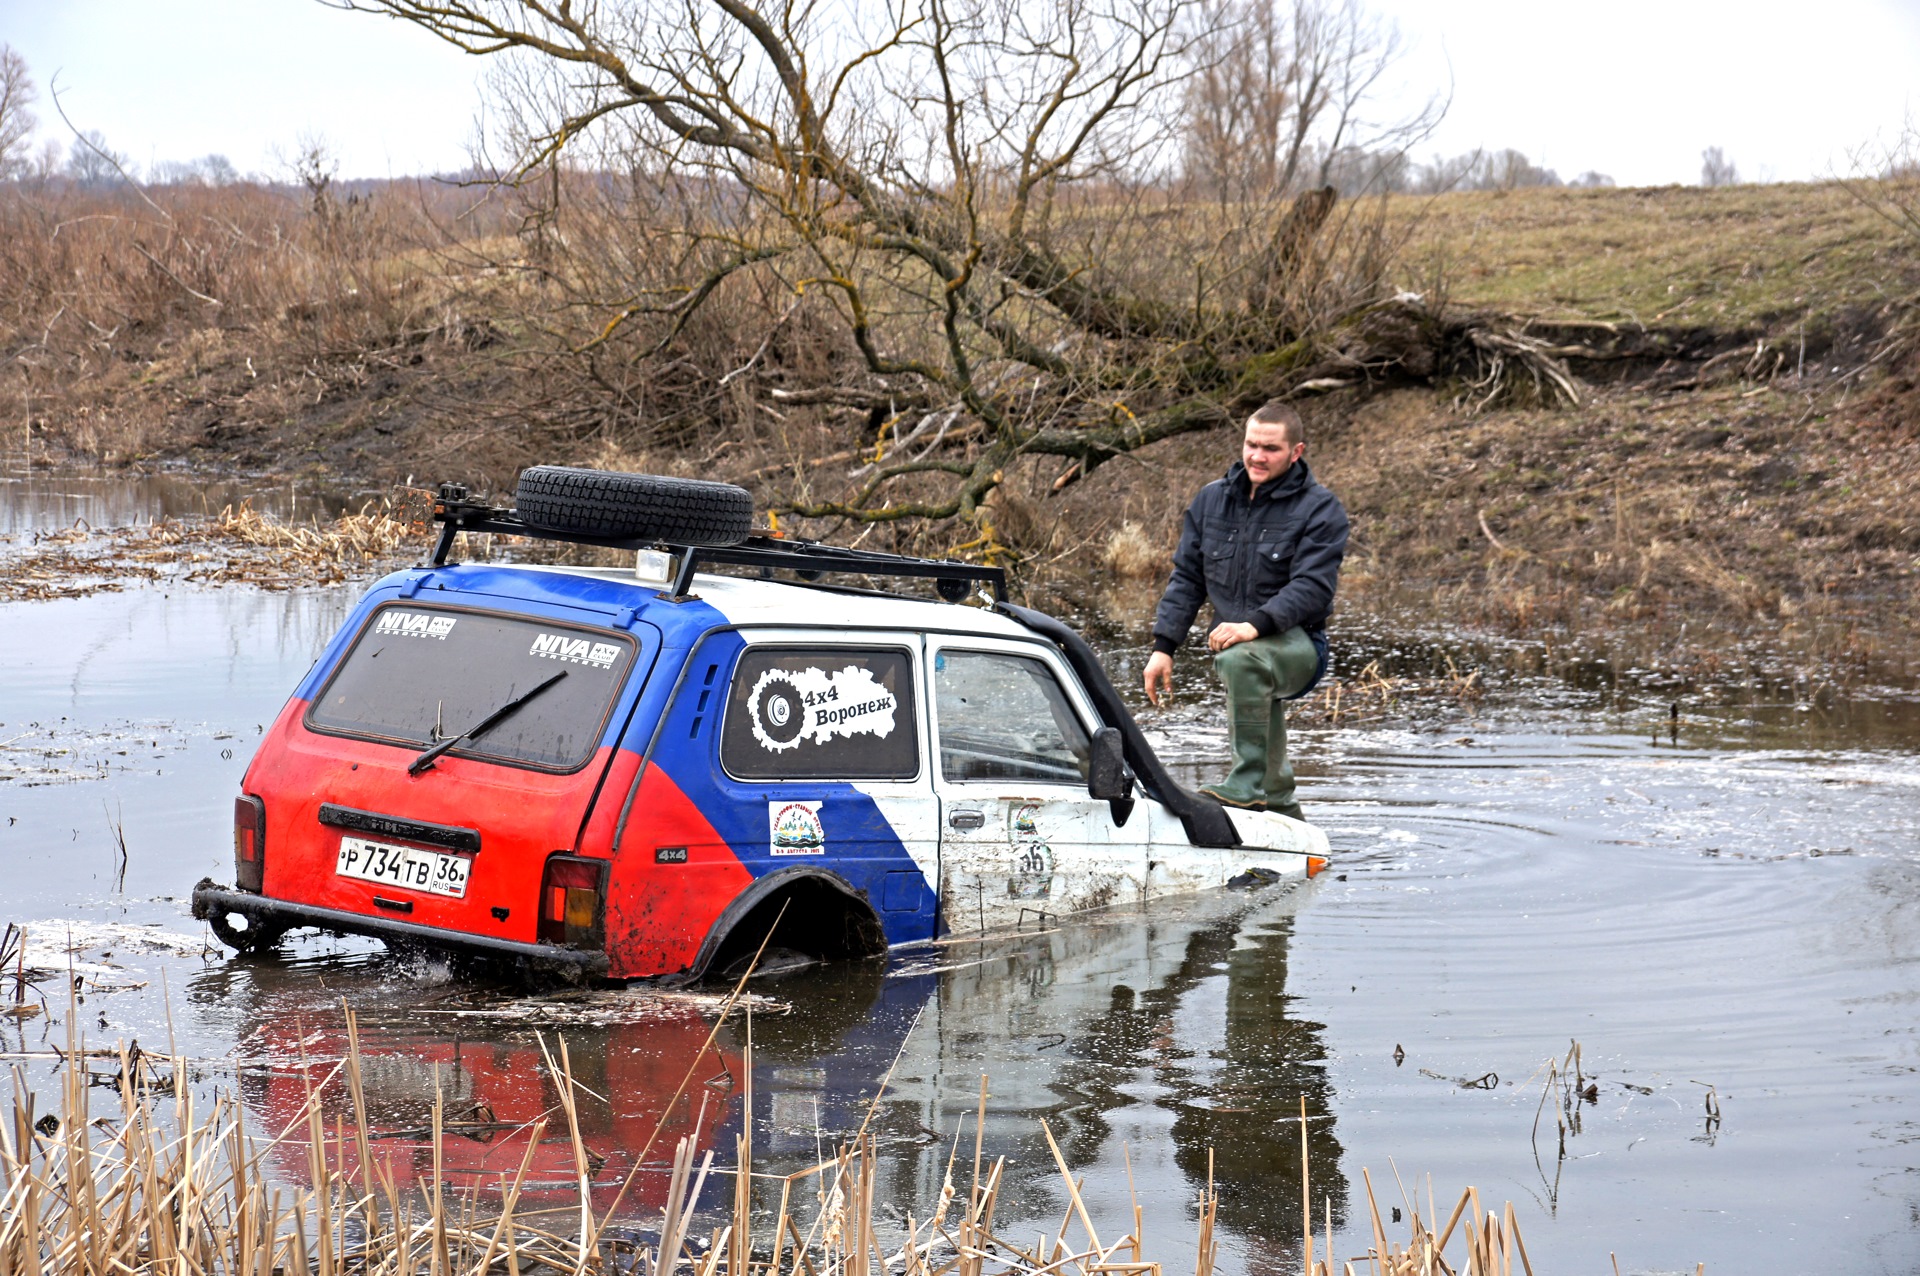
787	753
1020	838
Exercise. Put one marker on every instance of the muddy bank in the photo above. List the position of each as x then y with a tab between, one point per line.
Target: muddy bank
1703	533
1696	531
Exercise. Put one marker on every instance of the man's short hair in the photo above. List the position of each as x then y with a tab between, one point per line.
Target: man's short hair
1280	412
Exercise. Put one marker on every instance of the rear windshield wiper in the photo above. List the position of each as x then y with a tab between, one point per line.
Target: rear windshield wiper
426	760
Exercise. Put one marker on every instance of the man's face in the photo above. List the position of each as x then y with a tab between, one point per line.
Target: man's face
1266	452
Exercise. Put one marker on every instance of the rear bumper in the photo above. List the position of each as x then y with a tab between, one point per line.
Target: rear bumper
261	909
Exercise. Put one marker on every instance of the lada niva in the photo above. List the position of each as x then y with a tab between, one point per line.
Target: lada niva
661	771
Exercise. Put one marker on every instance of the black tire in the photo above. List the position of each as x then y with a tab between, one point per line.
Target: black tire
634	506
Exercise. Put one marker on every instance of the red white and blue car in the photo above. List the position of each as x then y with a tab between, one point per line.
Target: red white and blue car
629	773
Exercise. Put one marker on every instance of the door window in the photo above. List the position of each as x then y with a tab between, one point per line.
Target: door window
1004	717
821	713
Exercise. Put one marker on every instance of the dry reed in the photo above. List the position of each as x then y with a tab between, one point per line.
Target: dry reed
240	545
168	1184
1131	553
371	534
1372	695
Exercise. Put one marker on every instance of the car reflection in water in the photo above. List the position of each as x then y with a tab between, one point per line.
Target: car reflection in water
495	1085
1167	1030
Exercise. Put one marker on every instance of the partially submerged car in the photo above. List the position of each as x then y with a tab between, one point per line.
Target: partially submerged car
657	771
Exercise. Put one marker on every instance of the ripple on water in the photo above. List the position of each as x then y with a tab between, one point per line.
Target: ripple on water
1695	916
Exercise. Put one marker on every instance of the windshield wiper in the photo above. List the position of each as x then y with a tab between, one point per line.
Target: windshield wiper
492	720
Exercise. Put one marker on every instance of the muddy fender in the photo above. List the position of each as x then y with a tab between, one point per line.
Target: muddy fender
804	908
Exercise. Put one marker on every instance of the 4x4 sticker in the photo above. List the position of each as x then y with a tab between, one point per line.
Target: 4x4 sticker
793	828
579	651
791	706
414	624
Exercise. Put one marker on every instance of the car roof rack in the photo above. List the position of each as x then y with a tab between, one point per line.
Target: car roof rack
952	580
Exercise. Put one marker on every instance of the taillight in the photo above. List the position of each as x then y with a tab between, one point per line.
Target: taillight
570	901
249	843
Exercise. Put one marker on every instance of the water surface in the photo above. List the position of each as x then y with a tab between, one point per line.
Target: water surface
1724	906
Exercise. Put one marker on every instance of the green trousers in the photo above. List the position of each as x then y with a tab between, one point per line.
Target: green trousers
1260	675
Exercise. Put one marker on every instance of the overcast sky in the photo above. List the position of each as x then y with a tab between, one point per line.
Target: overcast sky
1631	88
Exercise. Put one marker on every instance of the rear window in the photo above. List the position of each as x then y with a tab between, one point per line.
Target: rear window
419	675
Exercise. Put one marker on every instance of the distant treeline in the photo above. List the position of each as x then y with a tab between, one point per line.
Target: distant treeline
1359	172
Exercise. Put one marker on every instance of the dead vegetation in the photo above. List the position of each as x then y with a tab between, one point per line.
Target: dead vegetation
161	1182
1549	410
232	322
239	545
758	278
1373	695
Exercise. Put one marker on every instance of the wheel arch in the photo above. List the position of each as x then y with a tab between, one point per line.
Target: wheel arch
837	919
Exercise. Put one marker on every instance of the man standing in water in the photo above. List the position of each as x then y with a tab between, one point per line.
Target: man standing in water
1263	545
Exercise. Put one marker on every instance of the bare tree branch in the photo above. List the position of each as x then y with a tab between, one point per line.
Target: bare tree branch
978	212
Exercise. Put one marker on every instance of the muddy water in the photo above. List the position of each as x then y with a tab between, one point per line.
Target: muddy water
1727	908
34	500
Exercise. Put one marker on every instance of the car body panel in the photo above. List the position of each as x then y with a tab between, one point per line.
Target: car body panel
1039	848
523	813
874	834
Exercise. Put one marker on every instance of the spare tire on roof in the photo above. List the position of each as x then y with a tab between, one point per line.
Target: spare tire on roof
634	506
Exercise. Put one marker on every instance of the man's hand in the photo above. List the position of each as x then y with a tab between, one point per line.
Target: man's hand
1225	636
1159	677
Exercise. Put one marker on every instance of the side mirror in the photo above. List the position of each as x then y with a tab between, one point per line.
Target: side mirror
1108	778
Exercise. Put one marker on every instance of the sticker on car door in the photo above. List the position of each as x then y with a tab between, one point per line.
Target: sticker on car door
794	828
1032	876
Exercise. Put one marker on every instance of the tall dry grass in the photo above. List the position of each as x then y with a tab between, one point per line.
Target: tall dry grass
163	1183
187	295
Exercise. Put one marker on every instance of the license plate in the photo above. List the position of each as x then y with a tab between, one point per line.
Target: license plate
408	867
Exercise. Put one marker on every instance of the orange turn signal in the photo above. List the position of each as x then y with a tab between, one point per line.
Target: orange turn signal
1315	863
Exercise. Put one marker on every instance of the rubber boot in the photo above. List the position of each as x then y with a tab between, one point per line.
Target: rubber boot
1248	727
1259	676
1277	784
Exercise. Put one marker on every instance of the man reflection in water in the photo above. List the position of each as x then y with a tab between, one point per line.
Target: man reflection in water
1213	1040
1263	545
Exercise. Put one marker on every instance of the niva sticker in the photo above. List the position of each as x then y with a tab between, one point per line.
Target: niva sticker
579	651
793	828
414	624
789	707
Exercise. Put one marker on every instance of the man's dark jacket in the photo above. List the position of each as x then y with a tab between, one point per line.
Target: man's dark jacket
1271	561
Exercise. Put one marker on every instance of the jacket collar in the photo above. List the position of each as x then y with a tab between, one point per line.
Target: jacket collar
1296	480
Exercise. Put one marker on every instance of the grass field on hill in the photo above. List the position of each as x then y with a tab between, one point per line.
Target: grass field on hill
1680	256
